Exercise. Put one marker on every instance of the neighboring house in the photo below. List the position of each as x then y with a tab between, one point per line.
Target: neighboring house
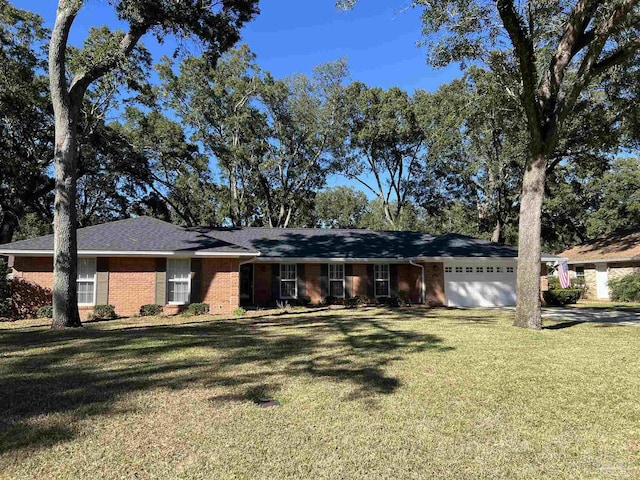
129	263
596	262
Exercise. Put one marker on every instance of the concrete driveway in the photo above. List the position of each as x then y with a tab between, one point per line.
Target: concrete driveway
597	315
611	315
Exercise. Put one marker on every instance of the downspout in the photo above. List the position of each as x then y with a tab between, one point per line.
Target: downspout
422	286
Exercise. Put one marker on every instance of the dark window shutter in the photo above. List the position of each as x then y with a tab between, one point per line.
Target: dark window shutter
324	280
196	280
161	281
275	282
102	274
370	290
393	280
302	287
348	281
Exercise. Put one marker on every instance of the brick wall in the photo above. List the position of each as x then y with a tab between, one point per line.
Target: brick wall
621	269
312	282
544	281
38	270
221	284
359	272
434	283
410	282
131	284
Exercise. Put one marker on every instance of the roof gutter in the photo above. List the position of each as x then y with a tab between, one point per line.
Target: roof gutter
604	260
132	253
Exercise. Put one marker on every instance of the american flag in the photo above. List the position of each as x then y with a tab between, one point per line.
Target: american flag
563	275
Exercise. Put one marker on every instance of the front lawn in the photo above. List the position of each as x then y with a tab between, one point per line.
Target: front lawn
371	393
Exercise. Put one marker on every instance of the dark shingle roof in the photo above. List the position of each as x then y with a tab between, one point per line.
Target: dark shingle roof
140	234
327	243
146	234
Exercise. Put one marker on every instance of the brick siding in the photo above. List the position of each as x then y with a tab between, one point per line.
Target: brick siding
312	282
359	272
132	282
434	283
38	270
221	284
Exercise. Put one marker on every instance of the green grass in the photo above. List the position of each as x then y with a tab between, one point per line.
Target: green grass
371	393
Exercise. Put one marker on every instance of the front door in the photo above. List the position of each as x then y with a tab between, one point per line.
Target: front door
602	281
246	284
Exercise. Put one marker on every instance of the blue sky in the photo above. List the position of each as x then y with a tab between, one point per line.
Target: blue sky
378	38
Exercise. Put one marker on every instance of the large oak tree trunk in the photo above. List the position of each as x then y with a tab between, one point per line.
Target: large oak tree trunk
65	296
528	289
65	110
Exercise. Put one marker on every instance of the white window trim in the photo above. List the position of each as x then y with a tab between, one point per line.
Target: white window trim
344	274
95	283
376	280
583	271
170	280
294	280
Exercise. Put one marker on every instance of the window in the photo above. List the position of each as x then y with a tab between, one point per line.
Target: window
179	280
509	269
86	281
381	275
479	269
498	269
458	269
288	280
336	281
468	269
580	273
447	270
489	269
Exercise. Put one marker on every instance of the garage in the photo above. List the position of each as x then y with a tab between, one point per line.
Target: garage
480	284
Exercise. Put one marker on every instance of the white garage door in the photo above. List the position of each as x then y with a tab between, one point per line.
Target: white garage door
480	284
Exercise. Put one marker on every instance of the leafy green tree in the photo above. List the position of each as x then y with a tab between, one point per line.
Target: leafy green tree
559	52
496	147
216	25
172	173
272	139
340	207
385	146
219	103
304	120
25	120
619	199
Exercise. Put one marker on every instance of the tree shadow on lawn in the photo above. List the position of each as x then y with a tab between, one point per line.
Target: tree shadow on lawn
463	315
84	371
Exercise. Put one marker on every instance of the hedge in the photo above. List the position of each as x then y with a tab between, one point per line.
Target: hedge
151	310
198	309
561	297
103	312
625	289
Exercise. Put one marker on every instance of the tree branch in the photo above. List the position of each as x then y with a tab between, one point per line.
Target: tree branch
65	16
619	56
587	68
82	80
570	44
523	45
